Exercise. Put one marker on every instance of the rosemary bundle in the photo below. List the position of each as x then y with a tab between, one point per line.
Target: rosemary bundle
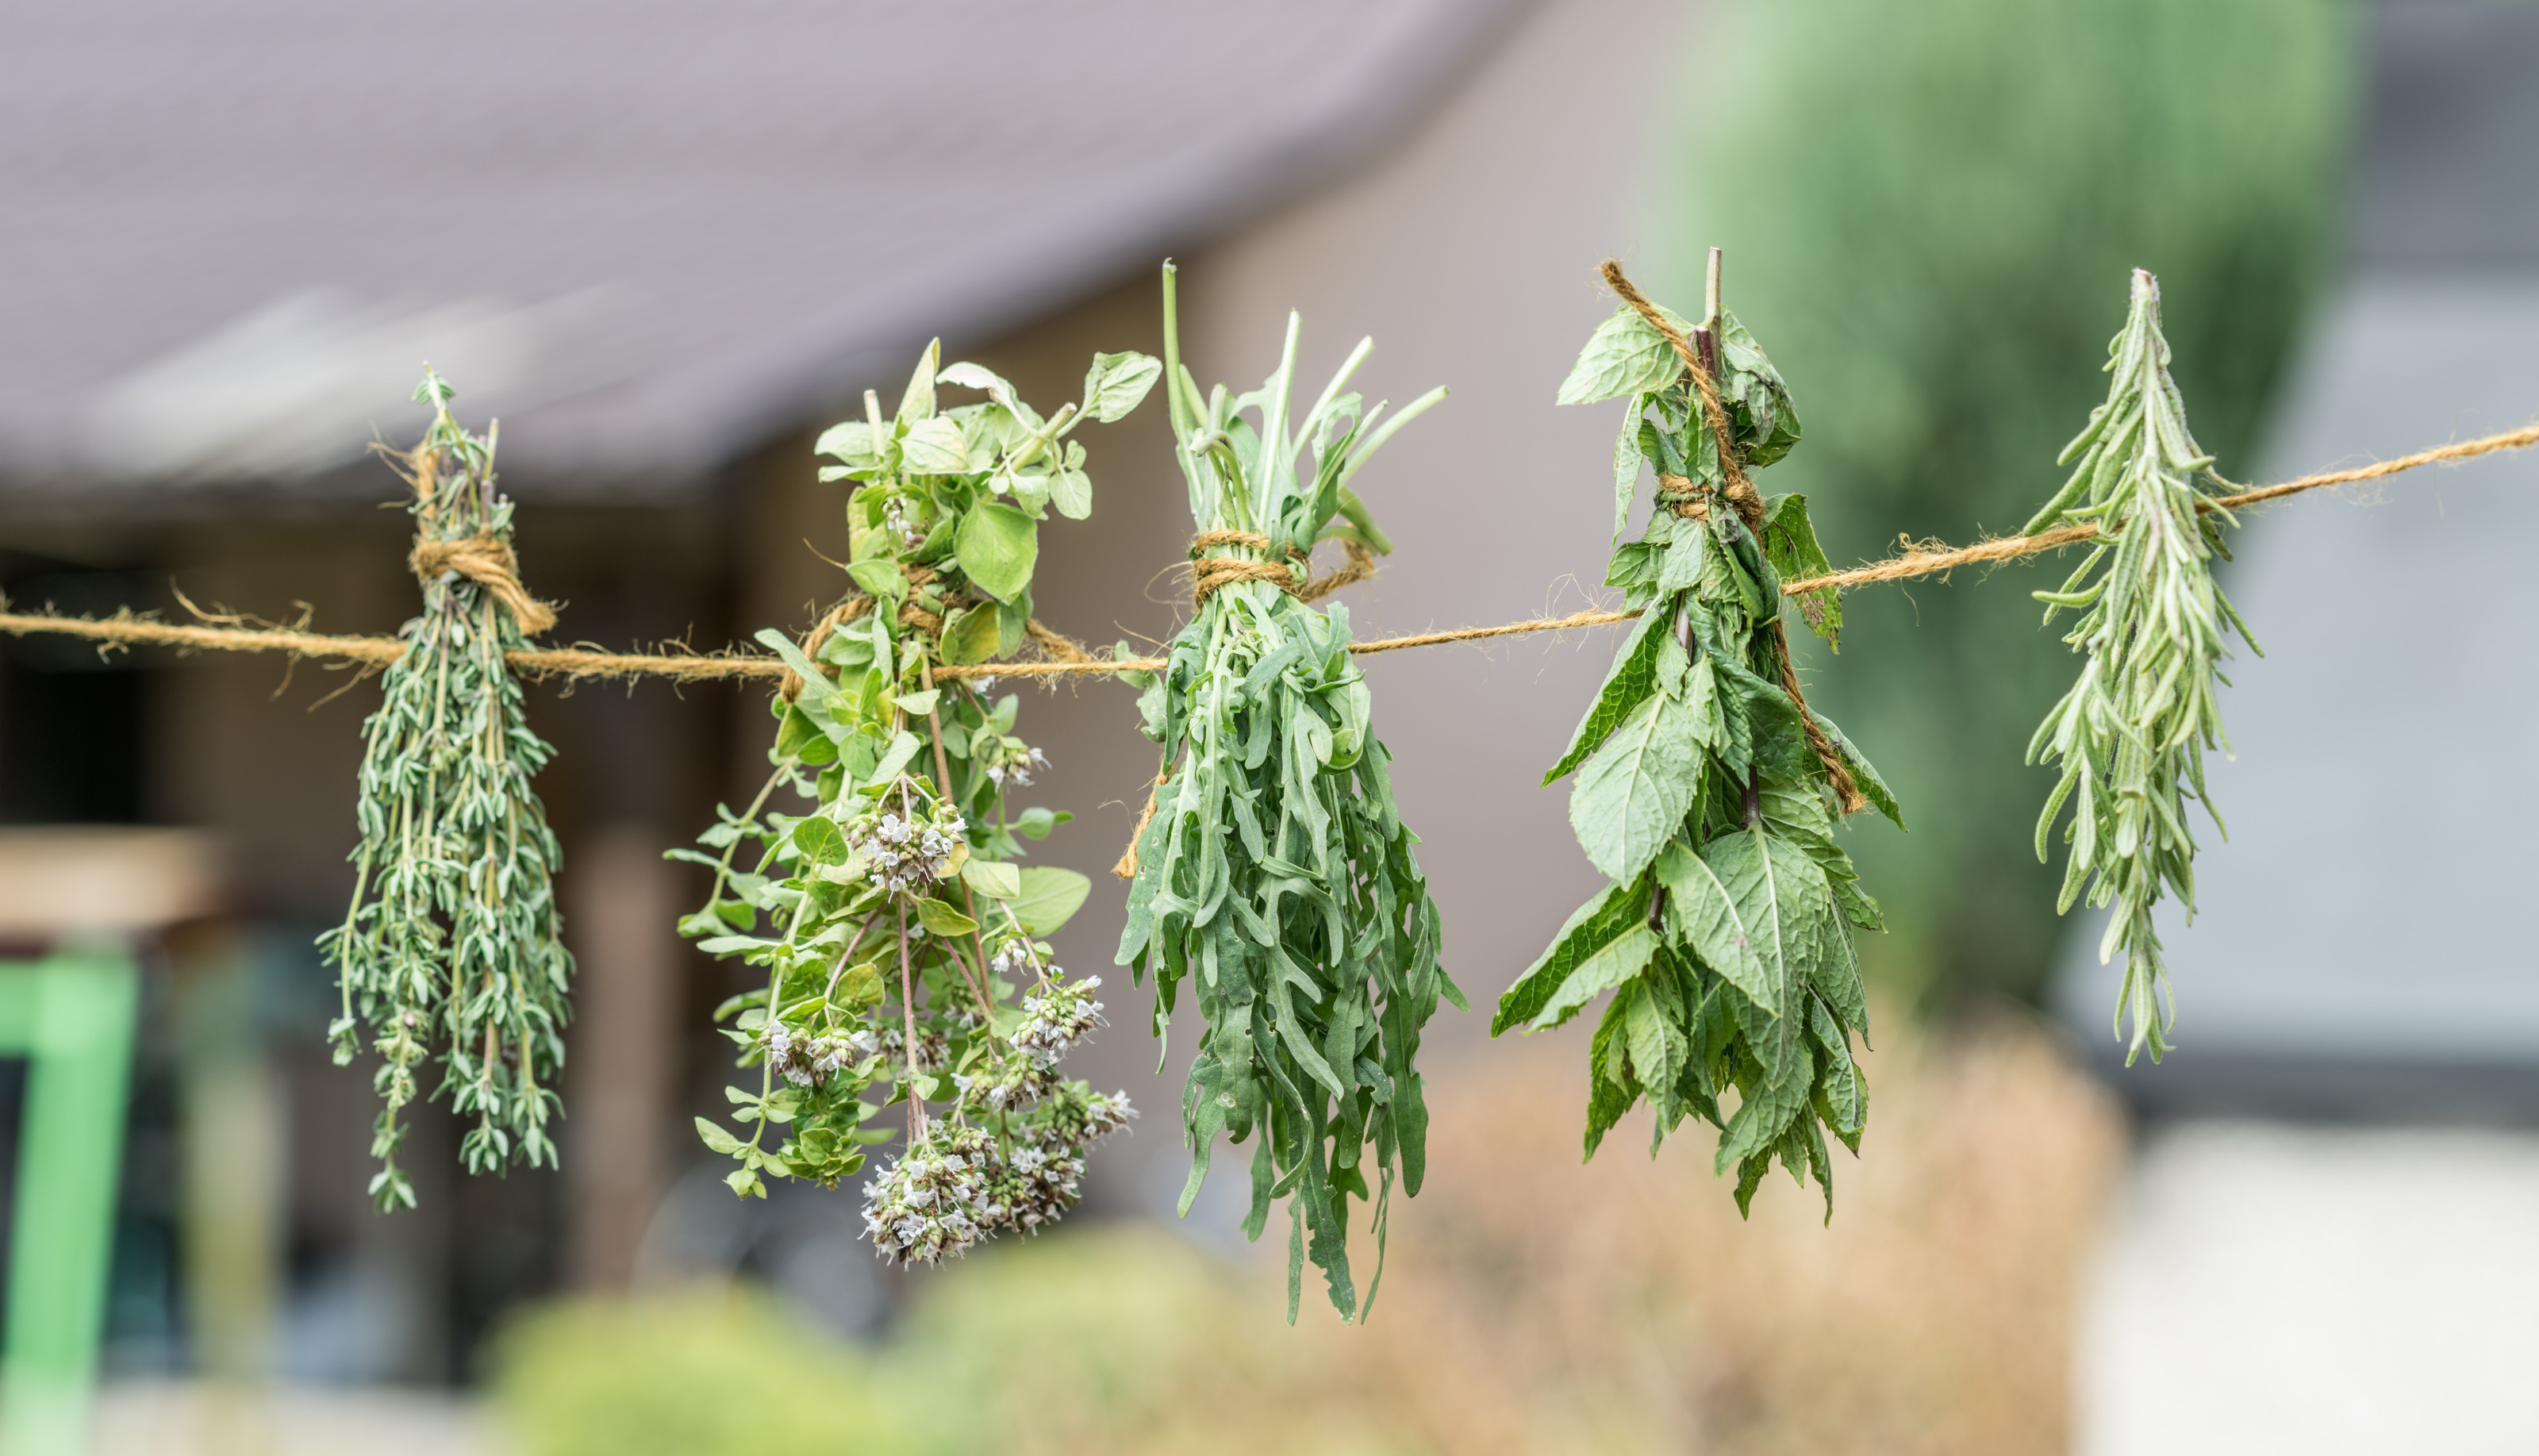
2132	731
452	941
1274	870
1707	791
904	945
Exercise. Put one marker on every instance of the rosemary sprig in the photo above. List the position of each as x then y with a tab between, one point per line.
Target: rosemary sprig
1702	793
453	940
1276	871
2132	731
903	944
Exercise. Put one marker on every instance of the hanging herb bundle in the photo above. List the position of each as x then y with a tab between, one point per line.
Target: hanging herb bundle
454	939
2132	731
903	944
1274	870
1707	789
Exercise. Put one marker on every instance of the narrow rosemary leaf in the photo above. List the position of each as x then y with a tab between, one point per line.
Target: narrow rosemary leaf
2131	734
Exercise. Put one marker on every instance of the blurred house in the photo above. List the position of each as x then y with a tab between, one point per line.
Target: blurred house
663	244
2356	956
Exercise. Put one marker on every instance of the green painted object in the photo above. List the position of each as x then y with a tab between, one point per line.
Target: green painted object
71	1016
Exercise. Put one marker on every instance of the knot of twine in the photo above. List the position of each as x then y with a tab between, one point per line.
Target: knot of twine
487	559
1210	573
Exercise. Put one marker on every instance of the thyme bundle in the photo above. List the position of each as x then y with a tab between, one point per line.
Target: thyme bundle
1707	791
453	940
1275	871
905	945
2132	731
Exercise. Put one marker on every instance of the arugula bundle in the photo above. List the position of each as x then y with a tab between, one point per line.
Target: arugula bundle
453	936
2132	731
1707	789
903	944
1275	870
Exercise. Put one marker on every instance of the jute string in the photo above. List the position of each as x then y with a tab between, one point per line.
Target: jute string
126	629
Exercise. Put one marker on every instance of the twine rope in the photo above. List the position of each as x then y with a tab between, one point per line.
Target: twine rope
127	629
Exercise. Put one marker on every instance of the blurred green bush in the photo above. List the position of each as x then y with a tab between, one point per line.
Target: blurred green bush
706	1371
1930	210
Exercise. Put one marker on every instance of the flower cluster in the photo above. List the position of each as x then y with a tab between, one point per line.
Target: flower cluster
932	1049
1038	1183
906	856
927	1207
1013	767
1057	1016
805	1059
1016	954
1006	1084
957	1187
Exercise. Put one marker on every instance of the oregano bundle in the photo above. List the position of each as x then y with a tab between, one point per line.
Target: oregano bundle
904	942
1276	874
1707	791
2132	731
451	950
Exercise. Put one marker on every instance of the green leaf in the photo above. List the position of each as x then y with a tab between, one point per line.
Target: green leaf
997	547
850	442
991	878
1049	896
718	1138
1116	384
862	985
1626	469
970	635
1589	927
1609	965
1072	492
819	841
1658	1047
1037	821
972	377
1844	1096
1636	790
919	402
895	759
880	578
919	704
1790	545
1872	786
944	919
1625	355
1702	914
1611	1087
1632	681
936	447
